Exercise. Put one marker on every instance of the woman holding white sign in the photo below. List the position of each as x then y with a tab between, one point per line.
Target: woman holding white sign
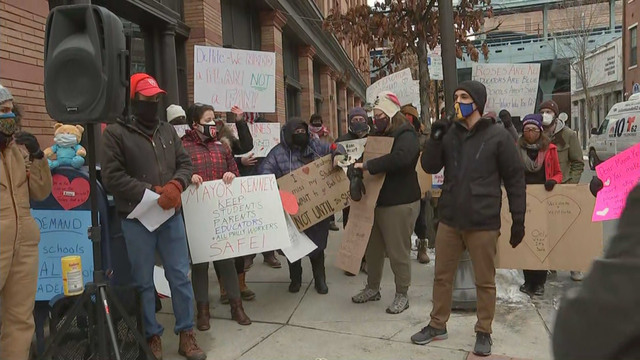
212	159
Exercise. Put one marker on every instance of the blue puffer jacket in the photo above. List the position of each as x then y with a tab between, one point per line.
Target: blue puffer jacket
285	158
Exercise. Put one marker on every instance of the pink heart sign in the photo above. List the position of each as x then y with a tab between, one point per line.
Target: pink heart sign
70	194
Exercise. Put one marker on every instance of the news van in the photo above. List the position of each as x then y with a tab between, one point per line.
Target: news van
618	132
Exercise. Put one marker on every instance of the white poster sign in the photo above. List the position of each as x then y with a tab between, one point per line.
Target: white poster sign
435	67
227	77
181	129
265	137
396	82
509	86
301	245
227	221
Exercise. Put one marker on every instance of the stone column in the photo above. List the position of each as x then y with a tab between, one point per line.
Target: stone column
305	65
342	101
170	67
272	23
326	89
350	102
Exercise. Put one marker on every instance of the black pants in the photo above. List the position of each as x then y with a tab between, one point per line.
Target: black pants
421	222
345	217
535	277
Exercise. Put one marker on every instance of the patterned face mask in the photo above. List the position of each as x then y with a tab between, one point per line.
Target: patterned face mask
8	124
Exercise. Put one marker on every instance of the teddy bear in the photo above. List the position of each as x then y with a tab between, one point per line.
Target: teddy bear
67	147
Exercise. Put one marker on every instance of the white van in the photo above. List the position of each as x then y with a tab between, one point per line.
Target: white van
618	132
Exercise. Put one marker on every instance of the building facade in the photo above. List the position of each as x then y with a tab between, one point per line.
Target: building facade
314	72
630	44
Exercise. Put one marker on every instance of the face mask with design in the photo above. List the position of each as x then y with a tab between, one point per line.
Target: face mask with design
209	129
65	140
547	119
463	111
8	124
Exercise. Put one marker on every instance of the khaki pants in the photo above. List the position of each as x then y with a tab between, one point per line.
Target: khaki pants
391	234
450	243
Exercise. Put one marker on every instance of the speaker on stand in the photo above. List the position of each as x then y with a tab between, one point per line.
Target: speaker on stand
86	79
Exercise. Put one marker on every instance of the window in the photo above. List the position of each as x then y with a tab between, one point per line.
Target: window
527	24
633	46
293	102
603	127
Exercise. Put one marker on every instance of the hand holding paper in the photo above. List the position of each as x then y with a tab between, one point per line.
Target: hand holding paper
149	213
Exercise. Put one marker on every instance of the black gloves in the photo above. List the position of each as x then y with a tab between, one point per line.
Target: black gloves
30	142
439	128
356	186
550	184
517	232
595	185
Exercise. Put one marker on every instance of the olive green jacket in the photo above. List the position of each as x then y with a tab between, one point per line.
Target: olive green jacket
569	155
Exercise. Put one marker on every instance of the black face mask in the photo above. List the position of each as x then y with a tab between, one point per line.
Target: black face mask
359	128
146	111
300	140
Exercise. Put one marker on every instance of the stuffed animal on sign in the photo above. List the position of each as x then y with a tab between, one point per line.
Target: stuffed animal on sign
67	147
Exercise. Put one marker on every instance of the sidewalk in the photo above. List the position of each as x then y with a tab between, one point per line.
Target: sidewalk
312	326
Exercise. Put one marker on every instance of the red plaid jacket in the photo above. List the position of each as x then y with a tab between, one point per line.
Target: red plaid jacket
211	159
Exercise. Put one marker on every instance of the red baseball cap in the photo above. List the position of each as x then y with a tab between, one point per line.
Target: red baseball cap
144	84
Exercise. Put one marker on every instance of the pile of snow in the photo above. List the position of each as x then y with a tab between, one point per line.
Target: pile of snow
508	283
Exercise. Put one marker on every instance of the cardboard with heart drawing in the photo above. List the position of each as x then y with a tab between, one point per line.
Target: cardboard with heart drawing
321	191
356	235
559	233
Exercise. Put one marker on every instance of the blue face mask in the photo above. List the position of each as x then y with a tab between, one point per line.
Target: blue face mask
463	111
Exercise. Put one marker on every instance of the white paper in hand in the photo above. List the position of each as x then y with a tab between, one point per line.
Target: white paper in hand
149	213
160	281
301	245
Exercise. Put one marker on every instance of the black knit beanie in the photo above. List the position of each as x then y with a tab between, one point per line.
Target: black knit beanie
477	91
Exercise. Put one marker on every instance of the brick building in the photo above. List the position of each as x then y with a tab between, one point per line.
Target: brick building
314	72
631	53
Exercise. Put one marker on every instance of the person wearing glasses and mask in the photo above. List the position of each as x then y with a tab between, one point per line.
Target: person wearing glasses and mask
478	159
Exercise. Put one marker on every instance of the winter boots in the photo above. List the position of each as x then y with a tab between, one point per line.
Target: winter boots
319	278
245	292
295	274
203	316
237	312
189	346
423	257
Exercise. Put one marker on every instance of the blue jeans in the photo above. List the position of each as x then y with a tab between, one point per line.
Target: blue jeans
170	241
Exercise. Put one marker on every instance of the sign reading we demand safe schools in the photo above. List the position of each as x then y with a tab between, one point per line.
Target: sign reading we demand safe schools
242	218
227	77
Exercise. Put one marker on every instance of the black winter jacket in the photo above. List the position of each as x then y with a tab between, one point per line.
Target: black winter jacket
401	182
476	162
133	161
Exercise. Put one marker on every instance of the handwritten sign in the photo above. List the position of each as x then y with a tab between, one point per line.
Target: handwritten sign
355	149
265	137
396	82
619	175
227	221
301	245
228	77
559	234
181	129
62	233
356	234
320	189
509	86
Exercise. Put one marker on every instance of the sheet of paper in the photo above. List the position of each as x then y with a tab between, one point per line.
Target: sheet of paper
149	213
301	245
160	280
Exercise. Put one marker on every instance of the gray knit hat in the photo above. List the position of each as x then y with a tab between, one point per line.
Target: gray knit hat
5	94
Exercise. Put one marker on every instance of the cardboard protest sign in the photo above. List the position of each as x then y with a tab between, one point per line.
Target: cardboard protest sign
355	149
265	137
509	86
619	175
559	234
227	221
321	191
429	182
358	230
400	83
62	233
227	77
301	245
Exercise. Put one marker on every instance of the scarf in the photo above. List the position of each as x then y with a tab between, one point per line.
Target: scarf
530	165
318	131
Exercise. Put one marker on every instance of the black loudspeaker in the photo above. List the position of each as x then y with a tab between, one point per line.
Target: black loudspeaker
85	61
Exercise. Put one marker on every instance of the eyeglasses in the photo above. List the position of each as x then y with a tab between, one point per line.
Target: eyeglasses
535	130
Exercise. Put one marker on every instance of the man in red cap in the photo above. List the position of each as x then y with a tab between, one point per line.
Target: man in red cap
140	154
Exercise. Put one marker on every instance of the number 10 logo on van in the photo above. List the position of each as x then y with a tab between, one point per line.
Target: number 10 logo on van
623	126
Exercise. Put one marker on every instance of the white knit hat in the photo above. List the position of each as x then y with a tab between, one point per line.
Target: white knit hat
5	94
175	111
388	103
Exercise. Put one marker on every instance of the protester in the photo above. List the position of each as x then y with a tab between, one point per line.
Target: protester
398	204
507	122
25	176
541	166
569	150
212	159
317	130
608	299
176	115
411	113
128	171
358	129
478	158
296	149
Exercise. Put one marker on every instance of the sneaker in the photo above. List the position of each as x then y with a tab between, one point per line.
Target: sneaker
577	276
429	334
538	290
400	303
366	295
155	344
189	348
483	344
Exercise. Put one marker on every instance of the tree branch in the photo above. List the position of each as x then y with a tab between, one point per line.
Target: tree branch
389	62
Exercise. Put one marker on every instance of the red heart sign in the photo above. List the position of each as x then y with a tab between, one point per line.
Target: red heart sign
70	195
305	170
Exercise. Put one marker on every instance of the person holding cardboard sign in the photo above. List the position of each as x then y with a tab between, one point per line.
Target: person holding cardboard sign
212	159
478	158
398	204
296	149
541	166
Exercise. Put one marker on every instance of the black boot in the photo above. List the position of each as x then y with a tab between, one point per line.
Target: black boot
319	278
295	274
